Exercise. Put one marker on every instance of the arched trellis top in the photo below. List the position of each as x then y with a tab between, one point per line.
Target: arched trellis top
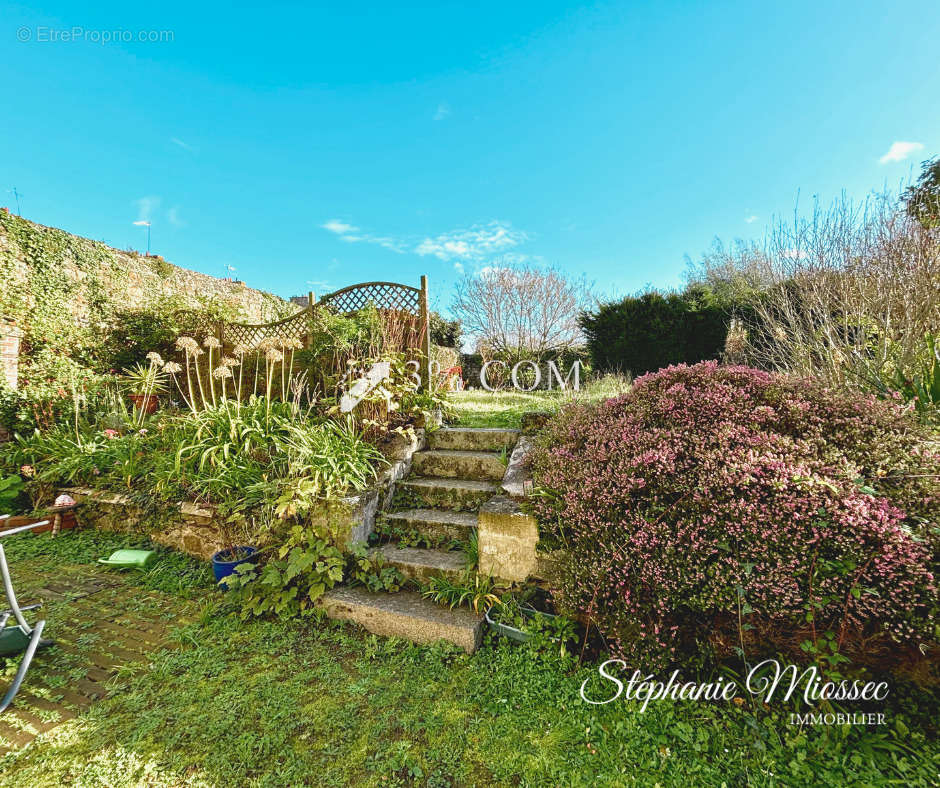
381	295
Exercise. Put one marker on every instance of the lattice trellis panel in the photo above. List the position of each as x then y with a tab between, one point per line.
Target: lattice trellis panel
382	295
403	308
292	328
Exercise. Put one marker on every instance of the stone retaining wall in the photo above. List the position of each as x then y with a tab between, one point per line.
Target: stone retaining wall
195	528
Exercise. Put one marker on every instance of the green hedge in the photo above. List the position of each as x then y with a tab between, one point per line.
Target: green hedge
640	334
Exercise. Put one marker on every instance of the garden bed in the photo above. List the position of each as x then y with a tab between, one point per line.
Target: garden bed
198	528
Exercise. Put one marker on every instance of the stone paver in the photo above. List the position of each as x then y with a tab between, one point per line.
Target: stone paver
100	624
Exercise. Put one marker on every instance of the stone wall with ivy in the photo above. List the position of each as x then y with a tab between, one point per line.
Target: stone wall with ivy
64	292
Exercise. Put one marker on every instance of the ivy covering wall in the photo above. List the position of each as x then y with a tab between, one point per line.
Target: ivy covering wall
71	296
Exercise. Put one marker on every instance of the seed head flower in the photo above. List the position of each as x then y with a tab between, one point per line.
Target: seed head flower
274	355
188	344
171	368
211	341
154	358
228	361
222	372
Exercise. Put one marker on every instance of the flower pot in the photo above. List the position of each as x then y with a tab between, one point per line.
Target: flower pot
225	561
142	402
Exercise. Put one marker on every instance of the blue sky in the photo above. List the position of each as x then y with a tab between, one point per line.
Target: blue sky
331	144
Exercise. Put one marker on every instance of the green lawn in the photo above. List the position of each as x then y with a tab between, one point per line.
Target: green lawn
481	408
319	703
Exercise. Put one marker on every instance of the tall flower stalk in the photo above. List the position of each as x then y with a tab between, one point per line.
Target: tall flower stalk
192	350
271	358
211	343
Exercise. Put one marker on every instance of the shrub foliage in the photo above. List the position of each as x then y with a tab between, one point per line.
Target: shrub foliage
718	509
641	334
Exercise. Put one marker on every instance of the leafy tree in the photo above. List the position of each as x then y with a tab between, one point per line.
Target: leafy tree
444	332
923	199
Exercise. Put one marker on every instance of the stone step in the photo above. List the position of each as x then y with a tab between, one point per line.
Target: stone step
473	438
436	524
459	464
421	564
464	495
405	614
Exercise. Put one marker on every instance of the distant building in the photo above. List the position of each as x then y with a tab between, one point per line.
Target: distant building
300	300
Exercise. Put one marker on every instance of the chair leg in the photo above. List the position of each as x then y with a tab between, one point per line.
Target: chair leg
11	597
24	666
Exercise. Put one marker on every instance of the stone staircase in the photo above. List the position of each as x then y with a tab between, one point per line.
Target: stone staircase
461	469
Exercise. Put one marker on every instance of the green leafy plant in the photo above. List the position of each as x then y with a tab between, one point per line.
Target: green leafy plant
288	584
372	570
472	589
552	632
471	550
11	489
145	379
921	387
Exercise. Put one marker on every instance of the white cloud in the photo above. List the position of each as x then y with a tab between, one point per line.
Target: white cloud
173	217
184	145
473	242
466	244
486	270
443	110
146	207
458	267
900	151
794	254
339	227
751	219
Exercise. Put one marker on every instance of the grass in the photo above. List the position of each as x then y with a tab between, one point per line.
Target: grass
481	408
313	702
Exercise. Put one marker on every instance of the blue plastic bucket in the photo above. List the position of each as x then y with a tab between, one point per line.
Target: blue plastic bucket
225	561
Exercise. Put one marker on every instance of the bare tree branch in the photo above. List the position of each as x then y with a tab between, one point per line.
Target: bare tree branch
520	310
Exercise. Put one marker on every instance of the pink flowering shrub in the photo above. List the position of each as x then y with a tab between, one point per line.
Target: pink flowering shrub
718	507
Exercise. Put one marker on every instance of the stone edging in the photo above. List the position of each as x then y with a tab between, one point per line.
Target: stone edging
196	532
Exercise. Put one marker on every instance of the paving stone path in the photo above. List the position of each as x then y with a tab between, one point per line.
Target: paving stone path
101	624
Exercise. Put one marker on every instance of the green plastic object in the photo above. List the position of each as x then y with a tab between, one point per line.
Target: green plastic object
13	640
129	559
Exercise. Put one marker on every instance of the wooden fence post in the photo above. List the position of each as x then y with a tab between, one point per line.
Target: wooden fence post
425	326
311	300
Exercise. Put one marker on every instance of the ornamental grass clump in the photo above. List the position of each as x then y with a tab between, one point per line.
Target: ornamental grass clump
720	510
